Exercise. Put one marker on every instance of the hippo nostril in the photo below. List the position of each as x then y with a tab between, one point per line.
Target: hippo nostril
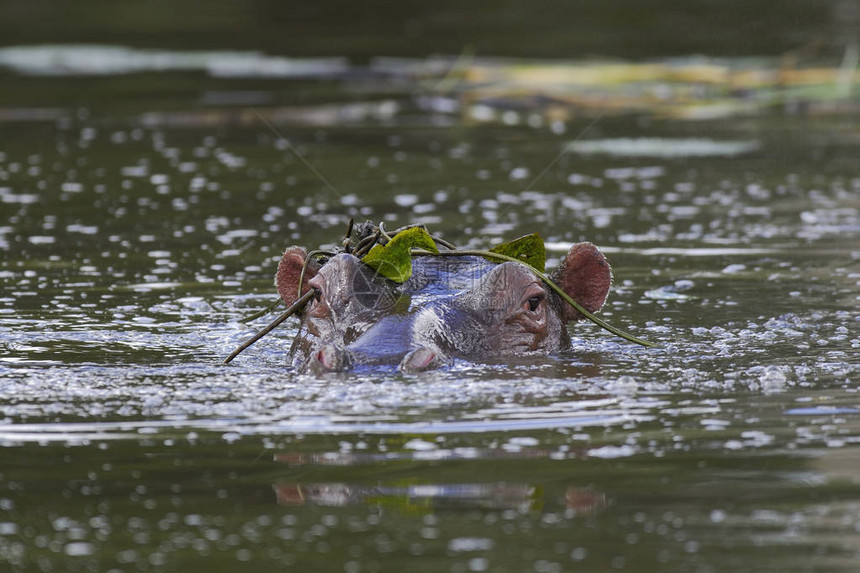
324	358
419	360
330	358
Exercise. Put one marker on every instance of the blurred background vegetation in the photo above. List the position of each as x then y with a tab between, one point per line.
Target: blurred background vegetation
632	29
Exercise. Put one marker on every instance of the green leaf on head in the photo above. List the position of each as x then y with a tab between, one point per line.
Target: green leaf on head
528	249
394	259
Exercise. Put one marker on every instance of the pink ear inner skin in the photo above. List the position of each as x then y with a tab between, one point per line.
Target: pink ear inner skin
585	275
289	271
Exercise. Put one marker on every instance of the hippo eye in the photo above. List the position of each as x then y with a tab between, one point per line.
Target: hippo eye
534	302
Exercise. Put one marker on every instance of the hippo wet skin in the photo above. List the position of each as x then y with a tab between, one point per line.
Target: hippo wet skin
460	307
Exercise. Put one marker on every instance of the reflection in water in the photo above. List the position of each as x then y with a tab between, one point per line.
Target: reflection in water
517	496
522	497
427	453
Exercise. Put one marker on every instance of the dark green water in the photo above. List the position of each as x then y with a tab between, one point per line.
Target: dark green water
143	215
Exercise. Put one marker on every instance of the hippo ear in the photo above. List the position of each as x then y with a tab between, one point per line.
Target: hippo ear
289	271
584	274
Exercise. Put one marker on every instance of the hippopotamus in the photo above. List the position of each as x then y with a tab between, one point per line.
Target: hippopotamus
451	308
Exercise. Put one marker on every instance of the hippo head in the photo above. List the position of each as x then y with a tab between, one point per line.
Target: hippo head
452	307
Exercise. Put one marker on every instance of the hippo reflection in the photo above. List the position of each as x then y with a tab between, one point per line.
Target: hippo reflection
519	496
461	307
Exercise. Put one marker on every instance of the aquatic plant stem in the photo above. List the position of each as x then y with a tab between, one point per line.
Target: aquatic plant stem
385	235
549	282
294	308
347	238
366	244
263	312
444	243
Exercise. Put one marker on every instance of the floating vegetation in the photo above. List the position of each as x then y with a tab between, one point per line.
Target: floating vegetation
537	93
660	147
695	88
393	260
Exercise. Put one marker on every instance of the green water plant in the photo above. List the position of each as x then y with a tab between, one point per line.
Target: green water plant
528	249
393	260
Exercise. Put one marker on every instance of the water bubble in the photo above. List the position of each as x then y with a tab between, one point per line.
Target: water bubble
519	173
734	269
406	199
419	445
78	549
8	528
772	380
624	385
461	544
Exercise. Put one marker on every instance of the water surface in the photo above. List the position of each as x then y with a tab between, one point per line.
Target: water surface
142	222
